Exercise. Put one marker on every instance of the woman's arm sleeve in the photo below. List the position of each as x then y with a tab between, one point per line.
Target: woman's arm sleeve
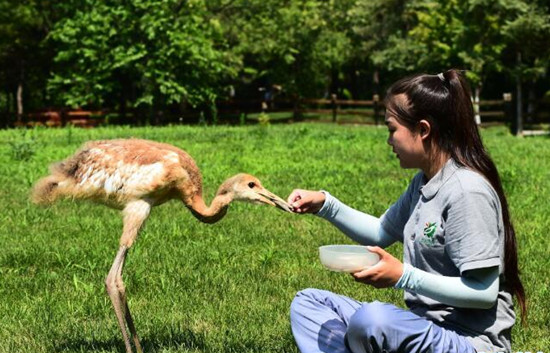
476	289
361	227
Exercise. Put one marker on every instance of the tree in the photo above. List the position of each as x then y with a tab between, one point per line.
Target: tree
377	26
528	35
528	32
438	34
24	58
297	44
147	54
158	55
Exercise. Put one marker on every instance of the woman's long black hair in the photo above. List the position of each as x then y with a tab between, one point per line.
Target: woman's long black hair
444	100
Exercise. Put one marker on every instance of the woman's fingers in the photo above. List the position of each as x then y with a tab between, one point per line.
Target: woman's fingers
294	196
301	205
384	274
306	201
300	200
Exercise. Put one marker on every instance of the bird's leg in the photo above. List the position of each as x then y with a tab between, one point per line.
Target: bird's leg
114	294
128	316
132	328
135	214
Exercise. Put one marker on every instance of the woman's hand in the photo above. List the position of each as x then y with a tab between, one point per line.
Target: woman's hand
384	274
306	201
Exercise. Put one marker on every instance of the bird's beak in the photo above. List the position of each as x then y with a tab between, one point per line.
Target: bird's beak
274	200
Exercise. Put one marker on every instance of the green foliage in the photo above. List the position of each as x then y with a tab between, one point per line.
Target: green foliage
25	58
165	51
23	147
297	45
187	281
445	34
263	119
529	34
213	111
161	55
433	35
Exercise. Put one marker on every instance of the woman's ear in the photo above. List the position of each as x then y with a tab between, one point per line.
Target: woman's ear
424	128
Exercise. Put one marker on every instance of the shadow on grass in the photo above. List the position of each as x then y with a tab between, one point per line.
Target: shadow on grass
154	342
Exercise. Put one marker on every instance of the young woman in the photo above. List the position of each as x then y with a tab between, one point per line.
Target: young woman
459	269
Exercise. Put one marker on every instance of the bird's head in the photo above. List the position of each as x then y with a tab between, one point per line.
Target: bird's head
245	187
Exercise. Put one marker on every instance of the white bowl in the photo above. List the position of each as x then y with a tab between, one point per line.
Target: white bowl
347	258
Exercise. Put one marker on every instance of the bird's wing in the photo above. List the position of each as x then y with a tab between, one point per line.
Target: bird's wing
99	171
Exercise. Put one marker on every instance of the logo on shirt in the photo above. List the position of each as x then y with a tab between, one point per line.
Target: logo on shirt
429	232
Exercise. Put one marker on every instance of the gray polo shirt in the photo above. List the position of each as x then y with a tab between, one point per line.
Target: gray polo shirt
449	225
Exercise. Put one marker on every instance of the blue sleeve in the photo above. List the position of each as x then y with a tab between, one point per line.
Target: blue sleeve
394	219
361	227
478	290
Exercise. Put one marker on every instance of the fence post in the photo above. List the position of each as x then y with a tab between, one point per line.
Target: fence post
63	115
334	107
296	110
375	105
508	109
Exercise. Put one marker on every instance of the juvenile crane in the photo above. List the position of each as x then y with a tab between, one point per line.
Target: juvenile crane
135	175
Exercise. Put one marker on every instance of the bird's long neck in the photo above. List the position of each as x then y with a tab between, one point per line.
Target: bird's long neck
214	212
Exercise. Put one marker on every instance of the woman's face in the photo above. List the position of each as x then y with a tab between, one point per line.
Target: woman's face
406	144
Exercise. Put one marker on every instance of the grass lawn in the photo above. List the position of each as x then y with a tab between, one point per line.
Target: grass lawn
342	118
225	287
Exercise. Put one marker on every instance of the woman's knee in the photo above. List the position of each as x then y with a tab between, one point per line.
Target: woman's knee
368	322
303	299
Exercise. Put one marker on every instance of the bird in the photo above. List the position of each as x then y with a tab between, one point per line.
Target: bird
133	175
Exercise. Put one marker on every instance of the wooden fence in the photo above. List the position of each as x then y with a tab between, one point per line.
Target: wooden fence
62	117
372	111
332	110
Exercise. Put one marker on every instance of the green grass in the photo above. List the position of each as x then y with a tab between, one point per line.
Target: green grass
342	117
225	287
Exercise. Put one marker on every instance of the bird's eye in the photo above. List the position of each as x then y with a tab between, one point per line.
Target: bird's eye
251	185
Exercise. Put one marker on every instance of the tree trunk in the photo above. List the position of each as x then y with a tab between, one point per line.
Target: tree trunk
354	84
477	117
9	105
19	94
334	82
296	111
334	107
5	114
531	104
122	107
376	95
19	99
518	125
183	109
7	108
376	82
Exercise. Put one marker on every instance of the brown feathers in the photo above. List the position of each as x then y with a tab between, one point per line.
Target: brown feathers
45	190
115	172
119	172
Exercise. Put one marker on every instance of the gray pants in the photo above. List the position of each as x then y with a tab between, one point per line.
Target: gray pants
326	322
